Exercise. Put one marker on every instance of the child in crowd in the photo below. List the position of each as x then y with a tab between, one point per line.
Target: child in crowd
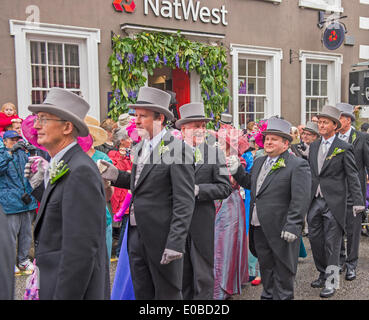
8	116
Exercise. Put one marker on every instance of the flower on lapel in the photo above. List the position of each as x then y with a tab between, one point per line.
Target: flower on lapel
163	148
335	152
353	137
57	170
279	164
198	155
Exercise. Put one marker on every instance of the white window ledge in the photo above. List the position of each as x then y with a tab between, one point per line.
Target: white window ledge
321	5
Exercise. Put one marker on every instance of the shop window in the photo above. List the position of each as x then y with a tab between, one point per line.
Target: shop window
325	5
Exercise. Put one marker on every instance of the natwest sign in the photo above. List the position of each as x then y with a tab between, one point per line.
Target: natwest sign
186	9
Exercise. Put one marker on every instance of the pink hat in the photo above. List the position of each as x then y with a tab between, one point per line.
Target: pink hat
30	133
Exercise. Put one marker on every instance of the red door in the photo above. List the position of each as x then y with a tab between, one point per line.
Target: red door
181	86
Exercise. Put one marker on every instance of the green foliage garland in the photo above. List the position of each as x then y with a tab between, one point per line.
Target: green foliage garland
131	57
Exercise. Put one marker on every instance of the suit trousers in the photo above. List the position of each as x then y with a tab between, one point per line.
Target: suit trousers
325	236
353	233
198	274
277	279
148	282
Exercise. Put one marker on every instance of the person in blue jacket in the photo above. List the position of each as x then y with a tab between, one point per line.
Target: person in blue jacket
15	197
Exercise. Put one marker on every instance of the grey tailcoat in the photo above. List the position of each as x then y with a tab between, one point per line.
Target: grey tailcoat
70	241
282	203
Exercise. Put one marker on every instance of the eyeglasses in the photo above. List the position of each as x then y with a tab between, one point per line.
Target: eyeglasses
43	121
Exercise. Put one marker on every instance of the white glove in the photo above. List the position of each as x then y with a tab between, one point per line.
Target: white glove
170	255
357	209
34	171
107	170
233	164
196	190
288	236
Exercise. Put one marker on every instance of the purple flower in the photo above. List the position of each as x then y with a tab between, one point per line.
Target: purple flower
157	59
212	92
222	90
132	94
131	58
119	57
207	95
145	58
165	61
117	95
213	67
219	65
187	65
211	114
177	60
201	62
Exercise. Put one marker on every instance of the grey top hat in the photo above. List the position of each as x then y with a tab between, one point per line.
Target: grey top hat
279	127
155	100
331	113
226	118
191	112
67	106
346	110
312	127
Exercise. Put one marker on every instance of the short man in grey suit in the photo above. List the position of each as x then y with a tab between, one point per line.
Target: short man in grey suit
162	183
211	183
280	187
360	143
333	168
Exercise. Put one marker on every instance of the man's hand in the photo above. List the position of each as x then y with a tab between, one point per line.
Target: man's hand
196	190
17	146
34	171
170	255
107	170
233	164
357	209
288	236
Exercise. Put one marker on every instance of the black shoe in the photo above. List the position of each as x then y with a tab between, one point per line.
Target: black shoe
342	268
350	274
327	292
319	283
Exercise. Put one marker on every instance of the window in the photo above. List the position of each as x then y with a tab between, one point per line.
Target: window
54	65
325	5
256	84
316	88
320	82
251	90
48	55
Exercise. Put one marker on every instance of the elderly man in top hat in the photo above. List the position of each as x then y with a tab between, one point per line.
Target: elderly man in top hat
333	168
210	184
360	143
162	184
280	187
69	233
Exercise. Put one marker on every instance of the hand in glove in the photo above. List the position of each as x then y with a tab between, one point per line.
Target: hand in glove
288	236
127	200
17	146
34	171
357	209
170	255
107	170
197	189
233	164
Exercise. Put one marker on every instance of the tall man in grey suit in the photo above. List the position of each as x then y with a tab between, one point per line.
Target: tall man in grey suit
211	183
360	143
162	183
280	188
70	245
333	167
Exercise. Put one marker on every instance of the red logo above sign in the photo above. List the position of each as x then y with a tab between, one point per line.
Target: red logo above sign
124	5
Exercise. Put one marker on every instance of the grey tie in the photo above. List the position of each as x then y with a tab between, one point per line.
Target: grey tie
322	153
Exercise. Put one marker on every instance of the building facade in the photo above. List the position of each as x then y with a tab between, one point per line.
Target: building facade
278	64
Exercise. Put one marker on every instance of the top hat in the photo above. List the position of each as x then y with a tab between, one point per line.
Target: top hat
346	110
65	105
331	113
154	100
279	127
99	135
226	118
191	112
312	127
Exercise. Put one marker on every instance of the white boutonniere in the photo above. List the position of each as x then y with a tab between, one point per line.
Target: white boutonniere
335	152
163	148
279	164
57	170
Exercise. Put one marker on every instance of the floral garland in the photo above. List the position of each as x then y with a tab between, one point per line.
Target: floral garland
147	51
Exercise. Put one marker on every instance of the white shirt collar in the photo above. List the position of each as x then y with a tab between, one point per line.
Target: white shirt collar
155	140
347	134
330	140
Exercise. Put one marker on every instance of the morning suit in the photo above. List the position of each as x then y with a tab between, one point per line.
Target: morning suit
162	203
281	198
334	176
70	245
211	176
360	143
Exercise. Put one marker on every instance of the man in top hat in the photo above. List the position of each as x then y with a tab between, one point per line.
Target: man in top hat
69	232
210	184
333	168
309	134
226	118
162	184
280	187
360	143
